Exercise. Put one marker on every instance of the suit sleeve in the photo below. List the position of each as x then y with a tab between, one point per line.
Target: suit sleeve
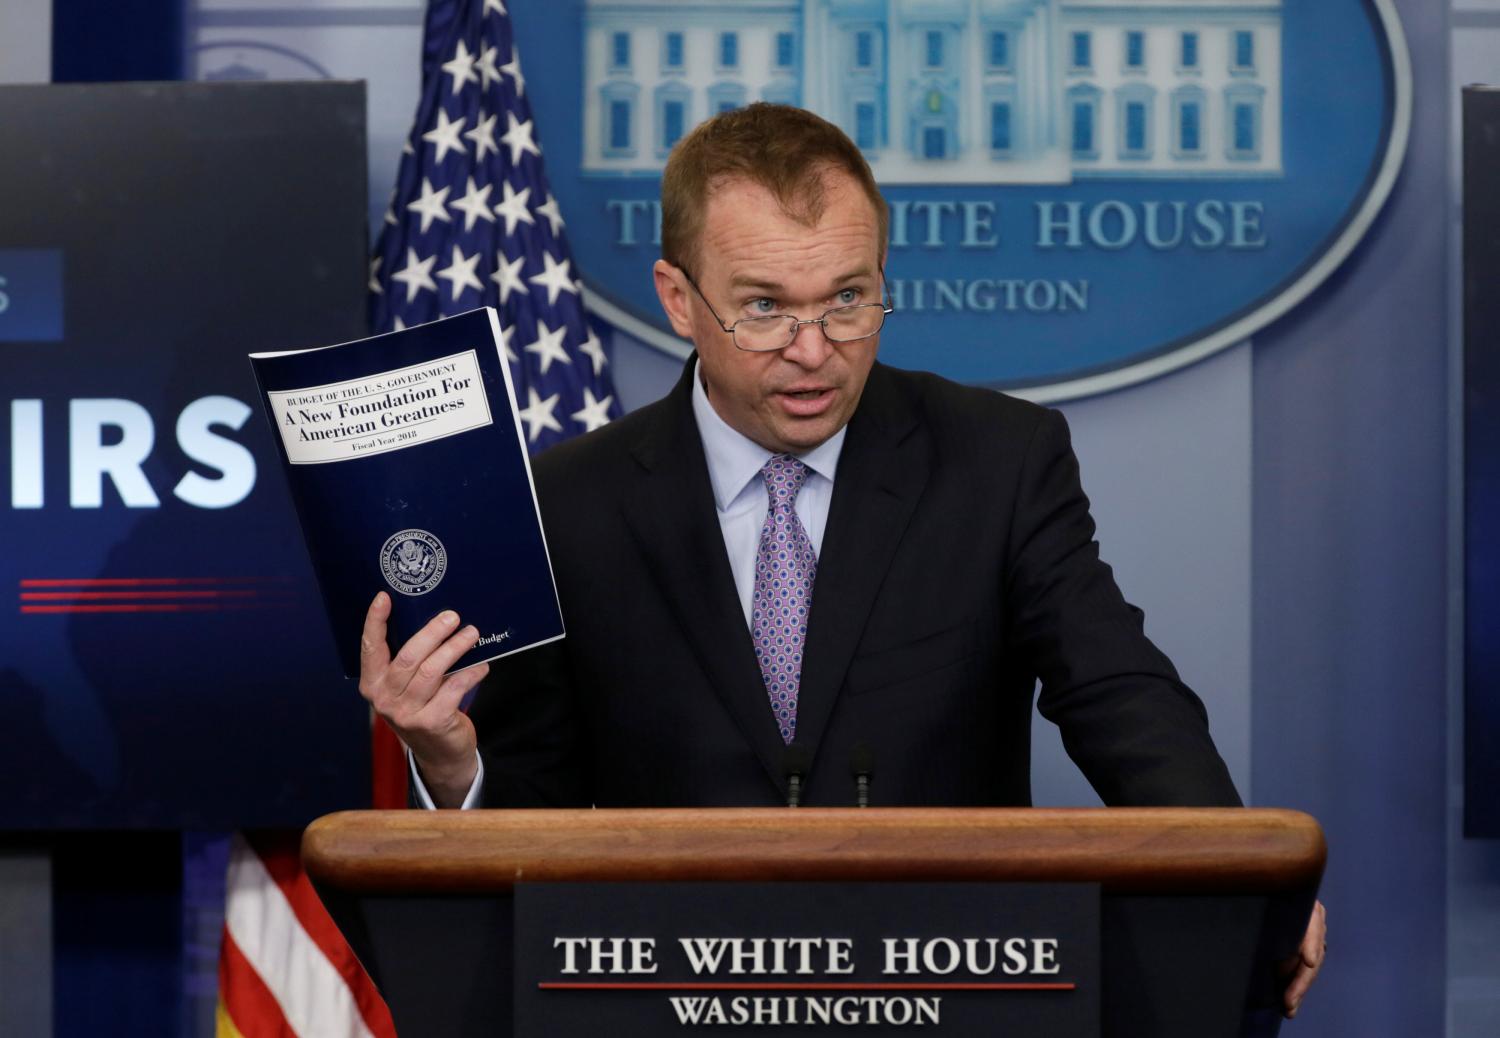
1136	731
531	740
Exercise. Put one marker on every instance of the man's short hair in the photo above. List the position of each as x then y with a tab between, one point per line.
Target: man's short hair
785	150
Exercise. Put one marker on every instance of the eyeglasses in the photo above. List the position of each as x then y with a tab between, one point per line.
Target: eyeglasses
778	331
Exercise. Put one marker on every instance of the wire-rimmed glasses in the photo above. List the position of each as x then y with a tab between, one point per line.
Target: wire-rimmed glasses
778	331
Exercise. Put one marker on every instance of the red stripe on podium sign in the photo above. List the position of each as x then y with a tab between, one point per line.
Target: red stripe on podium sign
567	985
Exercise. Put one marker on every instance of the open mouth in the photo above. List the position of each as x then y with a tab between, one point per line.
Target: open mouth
806	403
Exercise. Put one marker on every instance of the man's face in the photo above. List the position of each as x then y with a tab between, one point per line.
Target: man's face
754	260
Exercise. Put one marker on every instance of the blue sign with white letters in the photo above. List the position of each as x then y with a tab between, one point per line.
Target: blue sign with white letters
31	303
164	661
1082	196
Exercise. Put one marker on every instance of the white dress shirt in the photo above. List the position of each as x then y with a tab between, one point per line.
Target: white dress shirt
741	501
734	464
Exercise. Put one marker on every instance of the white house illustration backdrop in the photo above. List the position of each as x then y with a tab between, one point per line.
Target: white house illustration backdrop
951	91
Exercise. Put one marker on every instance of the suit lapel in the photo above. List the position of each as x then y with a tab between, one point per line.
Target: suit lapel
671	512
881	474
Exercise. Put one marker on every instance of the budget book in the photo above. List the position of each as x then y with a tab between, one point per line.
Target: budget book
409	472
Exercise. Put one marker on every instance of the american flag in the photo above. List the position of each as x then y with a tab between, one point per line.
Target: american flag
473	222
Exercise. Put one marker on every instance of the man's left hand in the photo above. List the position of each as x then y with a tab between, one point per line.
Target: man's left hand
1309	960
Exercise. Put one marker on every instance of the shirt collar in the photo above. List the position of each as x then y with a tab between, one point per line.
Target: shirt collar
734	459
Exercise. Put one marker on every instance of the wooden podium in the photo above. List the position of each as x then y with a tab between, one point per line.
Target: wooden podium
1200	906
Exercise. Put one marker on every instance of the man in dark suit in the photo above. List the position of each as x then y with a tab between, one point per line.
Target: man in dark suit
957	564
799	552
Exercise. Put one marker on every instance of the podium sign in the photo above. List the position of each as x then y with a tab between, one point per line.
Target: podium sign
643	960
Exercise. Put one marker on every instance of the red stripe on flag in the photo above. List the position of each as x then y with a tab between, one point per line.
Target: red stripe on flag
245	996
388	772
280	854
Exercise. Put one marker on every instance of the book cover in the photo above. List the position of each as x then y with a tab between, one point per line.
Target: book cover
409	472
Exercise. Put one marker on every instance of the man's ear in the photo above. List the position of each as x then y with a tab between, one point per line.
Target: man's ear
672	290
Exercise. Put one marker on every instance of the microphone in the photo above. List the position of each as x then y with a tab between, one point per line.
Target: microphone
795	764
862	767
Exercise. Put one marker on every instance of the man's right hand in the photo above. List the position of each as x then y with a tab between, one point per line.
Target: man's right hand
421	706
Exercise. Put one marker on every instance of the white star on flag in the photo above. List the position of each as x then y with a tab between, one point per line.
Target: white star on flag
512	68
537	414
461	67
518	138
512	208
594	413
444	136
474	205
553	214
486	66
374	283
416	275
460	273
498	6
483	137
430	204
593	349
555	278
549	346
508	277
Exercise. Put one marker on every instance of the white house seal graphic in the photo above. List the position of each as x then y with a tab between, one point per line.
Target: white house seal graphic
1048	164
413	561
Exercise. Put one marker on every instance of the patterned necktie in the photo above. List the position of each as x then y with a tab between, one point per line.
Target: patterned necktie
784	569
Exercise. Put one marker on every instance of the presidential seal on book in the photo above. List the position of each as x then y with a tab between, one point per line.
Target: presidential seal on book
413	561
